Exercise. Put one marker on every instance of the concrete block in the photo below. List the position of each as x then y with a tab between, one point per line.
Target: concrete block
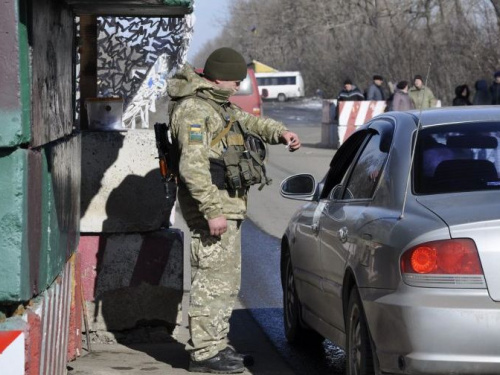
132	279
122	190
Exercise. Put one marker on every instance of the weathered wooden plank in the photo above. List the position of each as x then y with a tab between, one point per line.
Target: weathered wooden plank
151	8
52	89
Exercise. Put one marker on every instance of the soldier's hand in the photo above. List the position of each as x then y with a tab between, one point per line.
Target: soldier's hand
217	225
291	140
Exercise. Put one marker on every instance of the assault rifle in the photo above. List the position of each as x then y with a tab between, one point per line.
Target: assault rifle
167	160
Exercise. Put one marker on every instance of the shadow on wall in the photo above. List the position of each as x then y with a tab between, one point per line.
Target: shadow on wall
95	163
138	287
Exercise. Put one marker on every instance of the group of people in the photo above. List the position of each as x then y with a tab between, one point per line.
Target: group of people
404	97
419	96
484	95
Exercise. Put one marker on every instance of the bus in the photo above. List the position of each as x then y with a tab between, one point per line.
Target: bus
280	85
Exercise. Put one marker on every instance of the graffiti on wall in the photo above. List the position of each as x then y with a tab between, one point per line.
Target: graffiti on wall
136	56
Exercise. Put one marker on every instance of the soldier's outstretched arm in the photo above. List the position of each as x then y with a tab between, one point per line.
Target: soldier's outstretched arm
270	130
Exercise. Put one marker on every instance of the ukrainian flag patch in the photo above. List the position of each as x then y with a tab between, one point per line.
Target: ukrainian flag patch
195	134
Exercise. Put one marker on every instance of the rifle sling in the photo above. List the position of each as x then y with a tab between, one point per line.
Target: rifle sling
222	133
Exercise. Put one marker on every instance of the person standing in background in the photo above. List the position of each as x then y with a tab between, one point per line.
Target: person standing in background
401	101
350	92
495	89
375	91
462	94
421	95
482	95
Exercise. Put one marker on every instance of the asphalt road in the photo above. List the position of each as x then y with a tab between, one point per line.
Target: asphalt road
268	216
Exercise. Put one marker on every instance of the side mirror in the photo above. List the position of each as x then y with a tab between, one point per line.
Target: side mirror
264	93
299	187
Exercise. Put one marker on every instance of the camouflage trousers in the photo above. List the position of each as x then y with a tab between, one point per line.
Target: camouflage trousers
215	283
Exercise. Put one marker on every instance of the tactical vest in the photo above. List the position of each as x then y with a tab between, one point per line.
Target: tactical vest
242	164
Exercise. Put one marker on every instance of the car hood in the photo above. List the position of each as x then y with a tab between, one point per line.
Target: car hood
474	215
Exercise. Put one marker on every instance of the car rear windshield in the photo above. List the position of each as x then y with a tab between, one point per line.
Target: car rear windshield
457	158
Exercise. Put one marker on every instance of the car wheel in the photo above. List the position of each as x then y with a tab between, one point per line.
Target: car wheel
281	98
359	349
295	331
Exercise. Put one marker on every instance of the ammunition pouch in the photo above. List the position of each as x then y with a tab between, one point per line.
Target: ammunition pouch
241	166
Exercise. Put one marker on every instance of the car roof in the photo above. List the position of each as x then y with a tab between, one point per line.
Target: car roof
451	115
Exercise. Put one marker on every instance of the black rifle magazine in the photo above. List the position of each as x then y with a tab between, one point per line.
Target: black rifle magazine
218	173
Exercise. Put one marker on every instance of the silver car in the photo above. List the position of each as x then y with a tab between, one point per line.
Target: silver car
396	255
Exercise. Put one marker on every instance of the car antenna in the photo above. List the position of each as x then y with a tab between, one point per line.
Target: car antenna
413	149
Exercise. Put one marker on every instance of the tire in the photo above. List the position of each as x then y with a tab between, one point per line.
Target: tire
295	331
358	349
281	98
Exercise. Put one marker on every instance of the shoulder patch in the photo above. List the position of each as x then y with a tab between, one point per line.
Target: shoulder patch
195	134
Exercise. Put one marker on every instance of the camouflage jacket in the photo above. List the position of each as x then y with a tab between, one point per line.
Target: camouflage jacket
194	123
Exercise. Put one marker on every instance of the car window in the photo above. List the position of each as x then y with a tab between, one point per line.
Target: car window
341	161
367	171
457	158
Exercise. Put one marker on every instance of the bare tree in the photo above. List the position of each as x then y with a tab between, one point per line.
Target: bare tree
330	40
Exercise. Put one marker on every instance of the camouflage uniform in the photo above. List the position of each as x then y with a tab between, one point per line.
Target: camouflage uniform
215	261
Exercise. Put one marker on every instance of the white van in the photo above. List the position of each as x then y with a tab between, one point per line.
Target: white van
280	85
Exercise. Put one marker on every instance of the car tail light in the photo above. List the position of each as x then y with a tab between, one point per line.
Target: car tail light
256	111
448	257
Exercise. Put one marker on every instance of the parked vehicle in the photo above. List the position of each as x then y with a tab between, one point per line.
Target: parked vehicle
280	85
247	97
398	261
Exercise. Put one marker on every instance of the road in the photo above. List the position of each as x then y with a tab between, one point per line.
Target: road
267	219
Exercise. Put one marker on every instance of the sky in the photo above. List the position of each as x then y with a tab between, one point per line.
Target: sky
209	14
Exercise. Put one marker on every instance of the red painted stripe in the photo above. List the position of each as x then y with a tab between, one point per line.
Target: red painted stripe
7	338
371	109
34	344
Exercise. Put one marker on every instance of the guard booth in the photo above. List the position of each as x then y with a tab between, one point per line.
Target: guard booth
84	223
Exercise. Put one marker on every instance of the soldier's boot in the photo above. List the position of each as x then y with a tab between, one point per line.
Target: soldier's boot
217	365
230	353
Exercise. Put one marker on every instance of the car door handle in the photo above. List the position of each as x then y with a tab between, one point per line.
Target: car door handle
315	228
343	234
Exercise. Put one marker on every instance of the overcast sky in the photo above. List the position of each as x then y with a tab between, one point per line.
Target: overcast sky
209	14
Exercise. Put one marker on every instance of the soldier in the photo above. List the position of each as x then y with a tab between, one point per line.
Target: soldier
216	168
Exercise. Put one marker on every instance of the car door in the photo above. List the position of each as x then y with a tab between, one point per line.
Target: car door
345	216
307	259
